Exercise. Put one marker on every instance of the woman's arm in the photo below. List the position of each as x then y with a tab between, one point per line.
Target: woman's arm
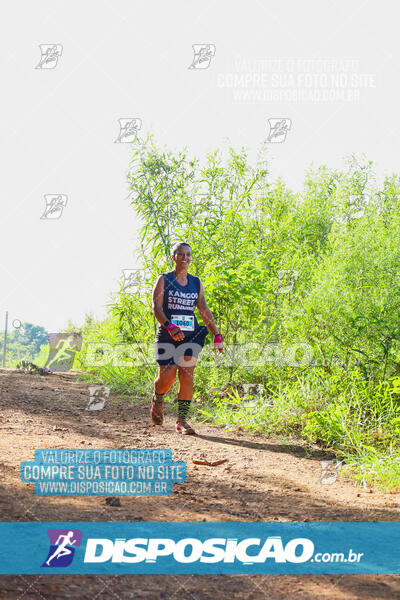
158	296
205	312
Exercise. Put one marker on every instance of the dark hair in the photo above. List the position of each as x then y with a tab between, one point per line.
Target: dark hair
176	247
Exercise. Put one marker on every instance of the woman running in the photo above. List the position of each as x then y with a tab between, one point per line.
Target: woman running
179	337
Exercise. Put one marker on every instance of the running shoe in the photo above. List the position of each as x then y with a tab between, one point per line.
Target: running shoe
156	412
184	428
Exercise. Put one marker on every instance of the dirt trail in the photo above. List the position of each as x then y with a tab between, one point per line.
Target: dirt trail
263	480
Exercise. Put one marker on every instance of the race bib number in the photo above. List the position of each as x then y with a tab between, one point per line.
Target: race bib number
185	322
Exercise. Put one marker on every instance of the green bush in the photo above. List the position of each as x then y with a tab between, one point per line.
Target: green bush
318	269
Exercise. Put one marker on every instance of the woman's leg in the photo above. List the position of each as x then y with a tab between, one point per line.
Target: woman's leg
185	393
162	384
165	378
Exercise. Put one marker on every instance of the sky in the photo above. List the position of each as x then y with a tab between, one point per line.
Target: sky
317	80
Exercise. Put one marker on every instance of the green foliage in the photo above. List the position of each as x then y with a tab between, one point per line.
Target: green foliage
31	368
381	470
24	343
319	268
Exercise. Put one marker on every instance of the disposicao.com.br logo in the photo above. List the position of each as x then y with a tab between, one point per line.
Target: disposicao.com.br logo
190	550
199	548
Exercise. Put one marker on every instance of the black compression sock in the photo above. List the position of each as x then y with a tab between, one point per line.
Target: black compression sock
183	408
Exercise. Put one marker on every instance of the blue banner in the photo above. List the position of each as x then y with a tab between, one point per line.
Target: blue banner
199	548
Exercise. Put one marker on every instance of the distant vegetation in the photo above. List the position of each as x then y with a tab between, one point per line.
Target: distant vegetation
23	343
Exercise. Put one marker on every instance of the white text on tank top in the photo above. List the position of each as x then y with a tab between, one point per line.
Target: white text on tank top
185	301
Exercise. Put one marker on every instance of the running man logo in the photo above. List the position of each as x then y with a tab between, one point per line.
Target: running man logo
62	547
253	393
203	54
330	470
286	280
50	53
134	278
63	347
55	203
98	397
278	129
128	129
358	205
205	205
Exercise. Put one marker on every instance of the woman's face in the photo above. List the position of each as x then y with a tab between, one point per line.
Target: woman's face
183	256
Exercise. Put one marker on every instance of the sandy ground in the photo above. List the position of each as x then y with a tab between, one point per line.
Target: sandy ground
263	480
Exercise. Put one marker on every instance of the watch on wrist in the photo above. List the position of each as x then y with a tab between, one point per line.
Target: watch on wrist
166	323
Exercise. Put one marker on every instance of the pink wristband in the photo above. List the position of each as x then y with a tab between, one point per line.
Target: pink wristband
172	326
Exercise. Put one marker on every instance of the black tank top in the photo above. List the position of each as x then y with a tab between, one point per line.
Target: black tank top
180	301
